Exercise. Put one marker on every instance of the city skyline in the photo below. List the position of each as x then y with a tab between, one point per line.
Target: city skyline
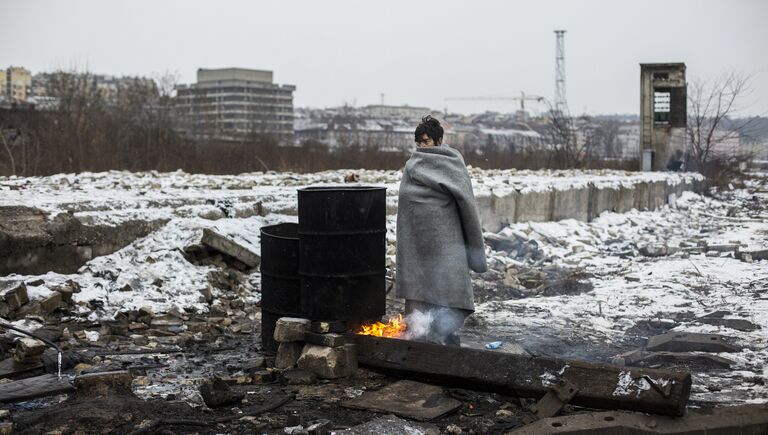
339	52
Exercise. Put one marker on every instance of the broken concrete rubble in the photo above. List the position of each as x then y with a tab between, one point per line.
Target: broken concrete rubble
329	362
288	353
290	329
227	245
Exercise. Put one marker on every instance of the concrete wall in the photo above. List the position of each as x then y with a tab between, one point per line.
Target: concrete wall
532	206
580	203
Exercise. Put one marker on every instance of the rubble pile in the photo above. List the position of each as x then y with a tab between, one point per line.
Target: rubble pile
163	334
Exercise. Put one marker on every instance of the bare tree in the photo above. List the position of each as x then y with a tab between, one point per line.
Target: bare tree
567	151
711	105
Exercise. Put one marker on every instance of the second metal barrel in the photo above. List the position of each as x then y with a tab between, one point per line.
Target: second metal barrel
280	282
342	233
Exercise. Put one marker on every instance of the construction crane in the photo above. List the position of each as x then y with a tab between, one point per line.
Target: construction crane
522	98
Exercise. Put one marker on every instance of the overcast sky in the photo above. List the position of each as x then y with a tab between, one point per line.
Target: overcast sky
415	52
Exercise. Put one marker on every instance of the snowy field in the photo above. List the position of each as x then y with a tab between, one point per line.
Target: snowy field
626	288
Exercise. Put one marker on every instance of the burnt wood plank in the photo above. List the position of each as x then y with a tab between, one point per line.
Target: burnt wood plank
600	385
30	388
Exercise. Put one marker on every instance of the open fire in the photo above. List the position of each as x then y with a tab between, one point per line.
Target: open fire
394	328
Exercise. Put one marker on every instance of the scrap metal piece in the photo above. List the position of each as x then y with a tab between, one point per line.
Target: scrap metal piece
555	400
690	342
731	420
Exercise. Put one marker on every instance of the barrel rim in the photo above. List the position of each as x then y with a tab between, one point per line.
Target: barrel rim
334	188
278	236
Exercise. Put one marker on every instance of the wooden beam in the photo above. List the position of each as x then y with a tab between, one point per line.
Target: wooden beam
599	385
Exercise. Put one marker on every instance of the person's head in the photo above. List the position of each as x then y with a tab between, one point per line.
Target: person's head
429	133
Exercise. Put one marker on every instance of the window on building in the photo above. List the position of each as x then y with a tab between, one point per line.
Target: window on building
661	106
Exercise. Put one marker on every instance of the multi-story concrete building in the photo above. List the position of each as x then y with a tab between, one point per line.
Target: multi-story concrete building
3	85
17	83
233	102
663	115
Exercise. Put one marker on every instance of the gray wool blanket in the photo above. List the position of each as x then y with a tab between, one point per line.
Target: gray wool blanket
439	238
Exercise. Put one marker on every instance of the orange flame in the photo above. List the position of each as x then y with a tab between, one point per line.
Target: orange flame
393	328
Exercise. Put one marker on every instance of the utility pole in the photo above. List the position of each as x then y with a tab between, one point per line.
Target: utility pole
561	103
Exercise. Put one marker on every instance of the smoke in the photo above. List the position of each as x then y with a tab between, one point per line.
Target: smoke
436	325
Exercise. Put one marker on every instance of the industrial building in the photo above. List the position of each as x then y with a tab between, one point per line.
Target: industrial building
233	102
663	115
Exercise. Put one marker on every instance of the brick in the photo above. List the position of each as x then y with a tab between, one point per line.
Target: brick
329	362
104	383
290	329
288	354
330	339
322	327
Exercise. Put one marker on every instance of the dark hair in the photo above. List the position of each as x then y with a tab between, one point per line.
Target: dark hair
431	127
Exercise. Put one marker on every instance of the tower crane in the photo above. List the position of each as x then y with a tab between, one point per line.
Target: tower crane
522	98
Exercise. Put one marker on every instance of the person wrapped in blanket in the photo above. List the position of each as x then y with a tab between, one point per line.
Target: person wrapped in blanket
439	236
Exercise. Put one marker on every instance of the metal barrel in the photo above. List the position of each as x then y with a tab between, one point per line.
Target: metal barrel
280	282
342	246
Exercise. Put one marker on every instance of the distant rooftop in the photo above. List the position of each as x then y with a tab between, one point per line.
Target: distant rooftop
226	74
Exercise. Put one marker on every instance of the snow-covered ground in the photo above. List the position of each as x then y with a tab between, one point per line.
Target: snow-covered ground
627	288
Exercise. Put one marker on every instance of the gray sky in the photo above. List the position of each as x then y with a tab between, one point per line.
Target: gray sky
415	52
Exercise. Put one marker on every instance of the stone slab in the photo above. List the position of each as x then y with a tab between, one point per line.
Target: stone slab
226	245
408	399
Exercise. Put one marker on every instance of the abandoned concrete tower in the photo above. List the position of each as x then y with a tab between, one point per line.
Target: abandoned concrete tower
663	116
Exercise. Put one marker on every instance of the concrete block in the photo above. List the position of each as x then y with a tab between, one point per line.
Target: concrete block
329	362
657	194
329	339
290	329
690	342
288	354
571	204
488	218
641	195
602	199
504	207
626	200
534	206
